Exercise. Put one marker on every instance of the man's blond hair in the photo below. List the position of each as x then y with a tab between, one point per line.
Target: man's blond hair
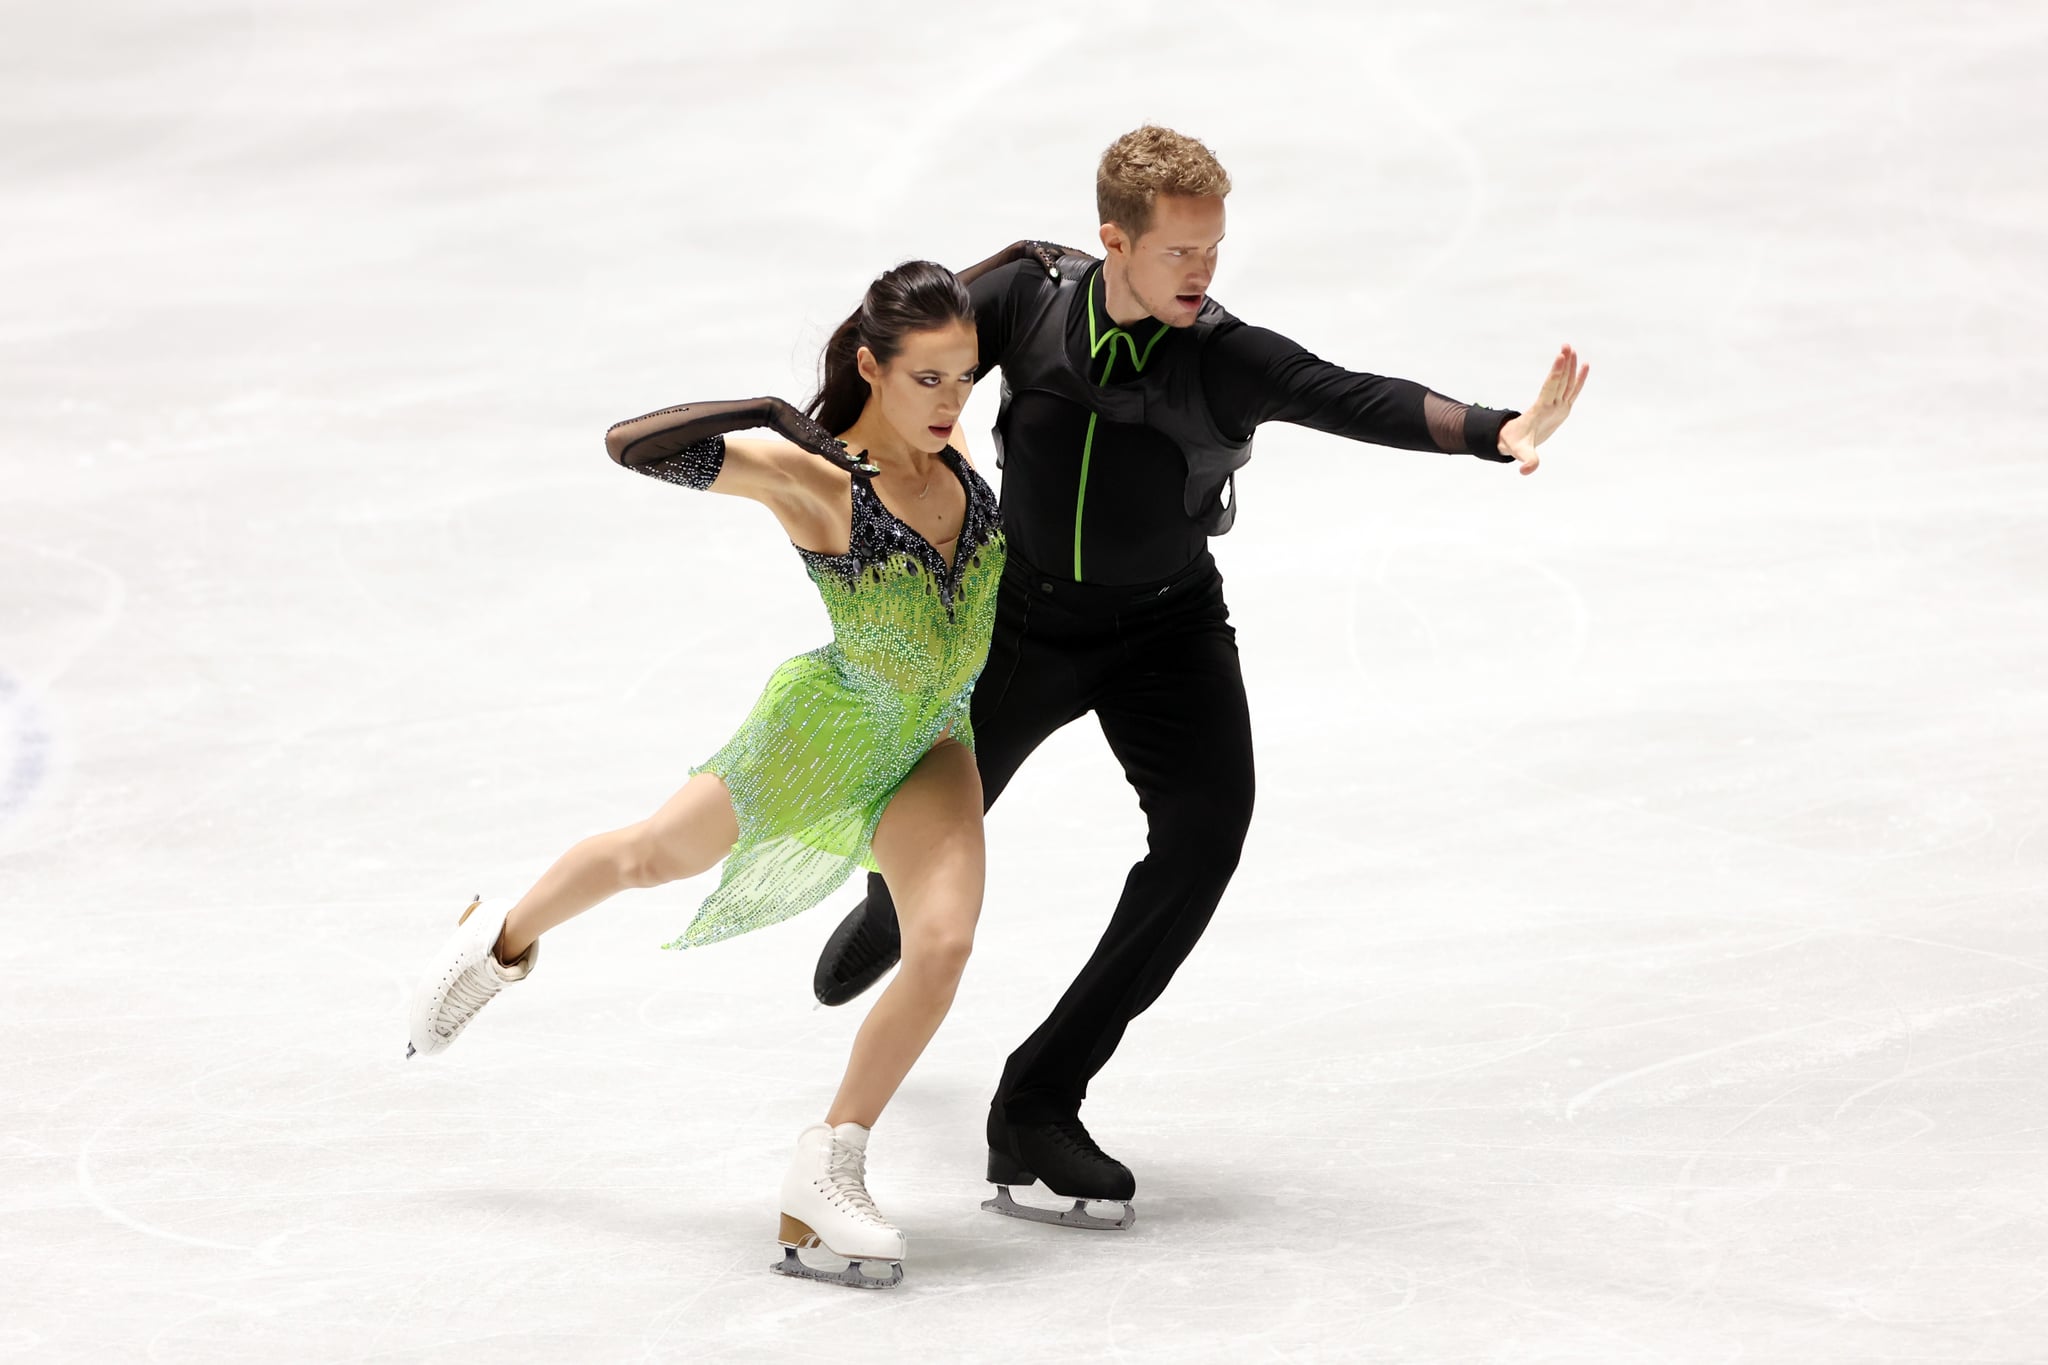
1146	163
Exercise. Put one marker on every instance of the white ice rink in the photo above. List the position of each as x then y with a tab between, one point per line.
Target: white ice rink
1638	955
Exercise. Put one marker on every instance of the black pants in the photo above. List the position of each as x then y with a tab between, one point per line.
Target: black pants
1158	666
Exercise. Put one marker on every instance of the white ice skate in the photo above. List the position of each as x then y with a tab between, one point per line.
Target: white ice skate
825	1203
465	976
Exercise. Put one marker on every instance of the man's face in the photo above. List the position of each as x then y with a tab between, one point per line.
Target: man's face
1169	268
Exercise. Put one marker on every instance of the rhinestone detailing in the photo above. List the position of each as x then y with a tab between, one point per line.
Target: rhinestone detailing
814	764
694	466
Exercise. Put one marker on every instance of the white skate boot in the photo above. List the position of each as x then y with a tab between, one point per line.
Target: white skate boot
825	1203
464	977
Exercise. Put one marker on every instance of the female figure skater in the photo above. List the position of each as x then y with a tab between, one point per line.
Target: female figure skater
858	753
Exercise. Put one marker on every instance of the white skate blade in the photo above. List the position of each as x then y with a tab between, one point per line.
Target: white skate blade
1075	1217
853	1275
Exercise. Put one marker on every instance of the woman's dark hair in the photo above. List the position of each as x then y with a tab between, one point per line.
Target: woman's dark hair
917	296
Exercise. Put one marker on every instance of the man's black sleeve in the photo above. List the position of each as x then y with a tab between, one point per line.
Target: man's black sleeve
999	298
1254	375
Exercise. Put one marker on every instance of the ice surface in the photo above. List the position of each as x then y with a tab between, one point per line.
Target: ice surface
1638	955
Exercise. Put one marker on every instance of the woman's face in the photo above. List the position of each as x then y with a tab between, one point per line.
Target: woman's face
921	391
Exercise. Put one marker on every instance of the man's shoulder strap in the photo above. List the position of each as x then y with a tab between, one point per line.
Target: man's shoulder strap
1074	264
1048	287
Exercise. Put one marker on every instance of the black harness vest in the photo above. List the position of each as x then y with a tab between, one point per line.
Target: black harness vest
1167	398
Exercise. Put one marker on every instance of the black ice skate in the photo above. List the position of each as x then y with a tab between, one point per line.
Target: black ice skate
865	945
1062	1155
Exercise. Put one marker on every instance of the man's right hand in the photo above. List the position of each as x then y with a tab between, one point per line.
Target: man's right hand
1520	436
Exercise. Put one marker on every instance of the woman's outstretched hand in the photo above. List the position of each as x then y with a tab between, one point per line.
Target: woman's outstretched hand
1520	437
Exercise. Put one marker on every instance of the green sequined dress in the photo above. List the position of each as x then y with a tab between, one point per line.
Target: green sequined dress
836	730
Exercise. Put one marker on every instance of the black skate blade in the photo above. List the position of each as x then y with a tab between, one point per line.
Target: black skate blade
852	1276
408	1049
1075	1217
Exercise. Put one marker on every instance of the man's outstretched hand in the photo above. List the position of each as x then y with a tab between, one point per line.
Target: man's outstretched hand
1520	437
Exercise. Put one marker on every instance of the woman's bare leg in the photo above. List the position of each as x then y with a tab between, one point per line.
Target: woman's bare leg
689	834
929	846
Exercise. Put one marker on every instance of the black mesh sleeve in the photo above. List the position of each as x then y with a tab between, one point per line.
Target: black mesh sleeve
675	444
1461	429
694	466
1047	254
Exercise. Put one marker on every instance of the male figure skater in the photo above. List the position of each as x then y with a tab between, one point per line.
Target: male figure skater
1129	399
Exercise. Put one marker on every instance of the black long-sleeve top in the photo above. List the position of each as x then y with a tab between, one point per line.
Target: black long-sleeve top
1125	522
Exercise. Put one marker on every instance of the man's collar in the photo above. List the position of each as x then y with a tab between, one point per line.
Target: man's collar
1102	333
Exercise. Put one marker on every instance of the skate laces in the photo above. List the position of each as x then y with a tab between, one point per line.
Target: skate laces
469	993
872	938
866	944
1071	1135
846	1182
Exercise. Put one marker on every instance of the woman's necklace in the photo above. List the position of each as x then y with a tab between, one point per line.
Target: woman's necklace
938	516
930	470
927	484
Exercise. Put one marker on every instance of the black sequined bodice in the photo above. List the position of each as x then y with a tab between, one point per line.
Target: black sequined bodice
878	536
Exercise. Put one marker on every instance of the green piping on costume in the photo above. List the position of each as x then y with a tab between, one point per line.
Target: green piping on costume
1139	359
